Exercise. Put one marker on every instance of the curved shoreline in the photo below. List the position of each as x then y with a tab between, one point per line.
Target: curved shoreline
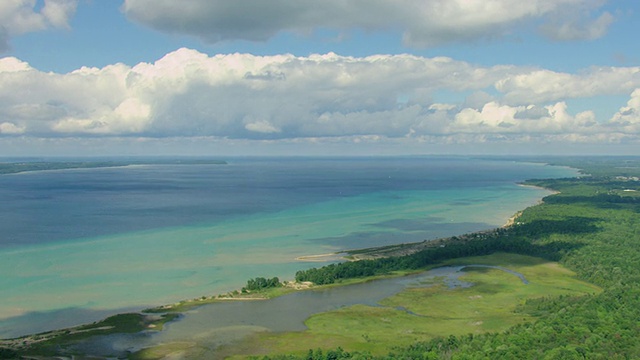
376	251
345	255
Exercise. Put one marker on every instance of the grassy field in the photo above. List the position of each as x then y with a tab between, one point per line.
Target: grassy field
422	313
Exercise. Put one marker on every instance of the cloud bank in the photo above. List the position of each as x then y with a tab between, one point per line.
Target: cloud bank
424	23
284	97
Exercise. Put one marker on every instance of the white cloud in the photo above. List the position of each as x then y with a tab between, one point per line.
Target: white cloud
491	118
424	22
22	16
262	126
282	98
504	119
58	13
545	85
88	100
130	116
628	117
11	64
442	107
10	128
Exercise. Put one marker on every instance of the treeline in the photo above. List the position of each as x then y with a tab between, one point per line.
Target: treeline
591	227
517	239
261	283
319	354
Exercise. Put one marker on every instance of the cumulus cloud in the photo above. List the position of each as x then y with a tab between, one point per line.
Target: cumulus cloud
504	119
262	126
628	117
424	22
10	128
23	16
543	85
240	96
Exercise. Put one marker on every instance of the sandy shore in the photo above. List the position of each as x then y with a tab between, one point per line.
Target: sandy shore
322	257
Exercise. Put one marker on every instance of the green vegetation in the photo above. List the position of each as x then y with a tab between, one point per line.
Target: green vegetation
423	313
256	289
261	283
590	227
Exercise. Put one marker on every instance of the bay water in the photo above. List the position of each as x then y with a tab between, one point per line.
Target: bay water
78	245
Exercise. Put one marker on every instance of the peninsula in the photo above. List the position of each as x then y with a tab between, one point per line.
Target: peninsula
13	166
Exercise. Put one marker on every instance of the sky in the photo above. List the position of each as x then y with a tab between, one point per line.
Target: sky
331	77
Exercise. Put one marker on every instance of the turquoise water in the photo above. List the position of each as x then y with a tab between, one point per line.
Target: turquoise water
283	210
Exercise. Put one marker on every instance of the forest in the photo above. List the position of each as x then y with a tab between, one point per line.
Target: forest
591	226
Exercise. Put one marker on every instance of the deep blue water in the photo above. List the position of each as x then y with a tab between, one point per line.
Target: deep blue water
49	206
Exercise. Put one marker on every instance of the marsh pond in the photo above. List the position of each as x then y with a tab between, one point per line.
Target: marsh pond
210	326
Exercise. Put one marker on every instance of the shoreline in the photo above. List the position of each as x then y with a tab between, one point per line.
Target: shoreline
237	295
155	318
290	285
322	257
349	255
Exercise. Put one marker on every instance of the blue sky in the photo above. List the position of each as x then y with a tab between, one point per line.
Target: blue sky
239	77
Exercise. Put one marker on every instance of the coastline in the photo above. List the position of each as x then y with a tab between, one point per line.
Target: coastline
154	322
552	192
11	168
354	255
323	257
345	255
536	226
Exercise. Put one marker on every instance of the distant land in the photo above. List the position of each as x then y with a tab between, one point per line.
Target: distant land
13	166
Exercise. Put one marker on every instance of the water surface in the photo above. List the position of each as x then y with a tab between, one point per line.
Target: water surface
81	244
211	326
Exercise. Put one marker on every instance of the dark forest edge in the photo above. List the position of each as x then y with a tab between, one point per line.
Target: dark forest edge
590	227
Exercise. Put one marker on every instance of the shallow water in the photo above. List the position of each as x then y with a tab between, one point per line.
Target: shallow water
81	244
211	326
